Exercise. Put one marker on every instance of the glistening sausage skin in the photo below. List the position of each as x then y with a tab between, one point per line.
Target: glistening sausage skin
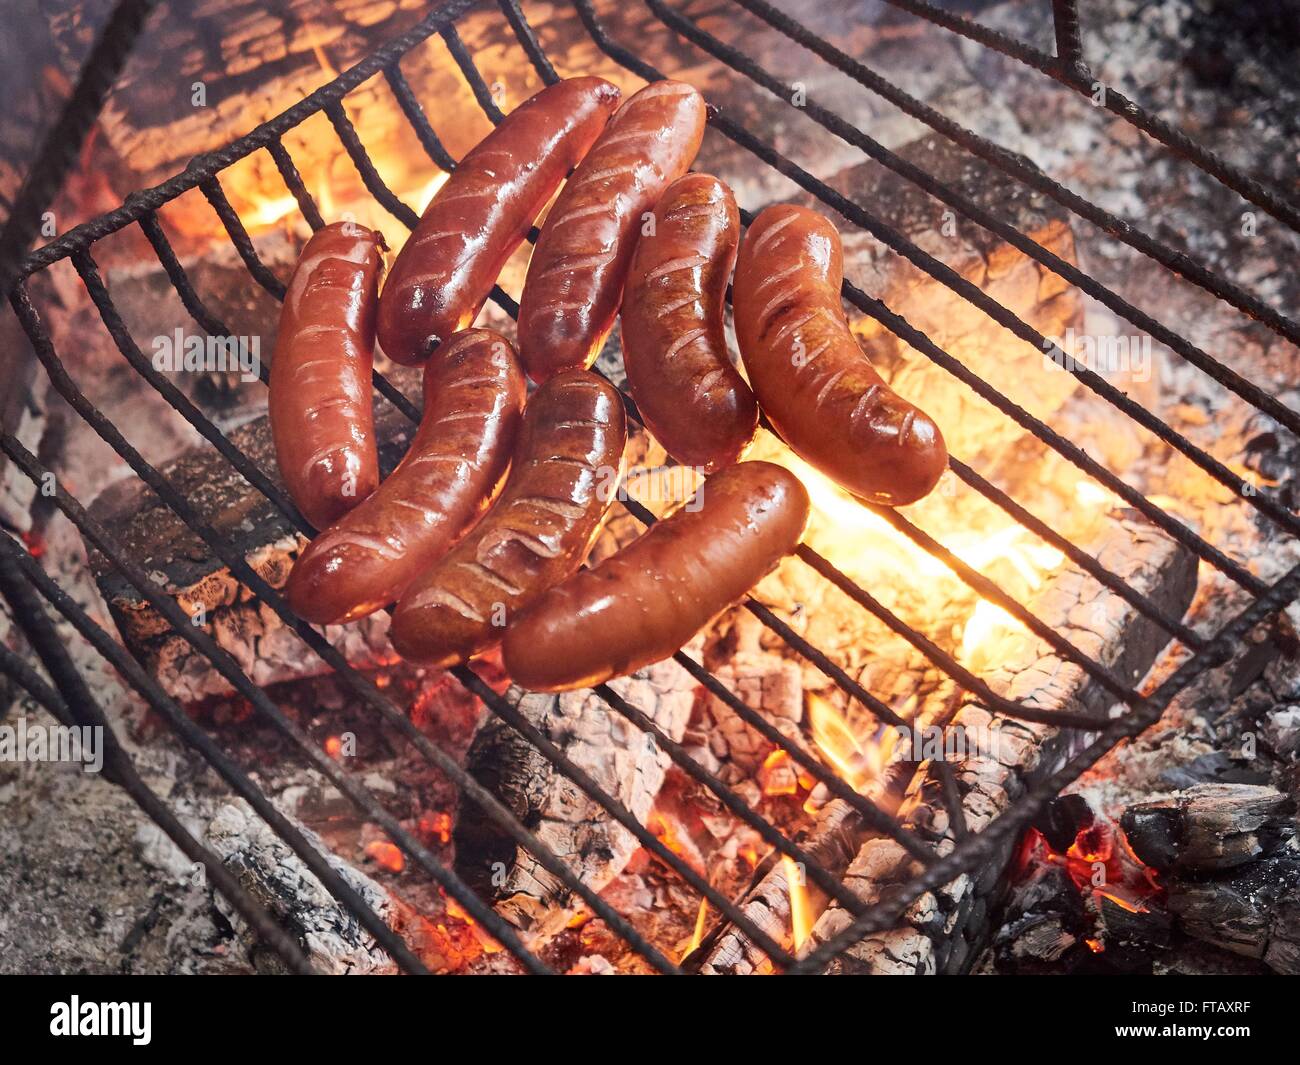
320	398
575	277
692	399
473	397
809	374
536	534
446	269
645	602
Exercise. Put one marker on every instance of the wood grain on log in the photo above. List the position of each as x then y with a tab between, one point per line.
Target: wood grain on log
625	762
1209	826
183	566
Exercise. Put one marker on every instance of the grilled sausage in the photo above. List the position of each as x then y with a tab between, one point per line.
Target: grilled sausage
811	378
537	533
674	349
473	395
576	274
643	603
321	418
473	224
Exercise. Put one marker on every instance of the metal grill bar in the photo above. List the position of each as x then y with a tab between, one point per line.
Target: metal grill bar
968	852
878	708
906	332
1017	167
182	725
940	271
202	174
1270	199
122	773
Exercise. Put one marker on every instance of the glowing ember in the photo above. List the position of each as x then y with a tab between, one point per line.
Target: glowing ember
436	825
334	746
386	856
776	776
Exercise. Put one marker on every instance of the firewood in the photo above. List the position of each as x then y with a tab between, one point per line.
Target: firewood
943	928
625	762
183	566
1253	910
1209	826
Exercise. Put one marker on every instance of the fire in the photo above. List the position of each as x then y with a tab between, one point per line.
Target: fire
801	918
777	774
697	934
919	587
856	757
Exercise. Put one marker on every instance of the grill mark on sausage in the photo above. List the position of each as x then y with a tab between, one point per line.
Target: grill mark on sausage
442	597
829	384
772	231
684	341
672	266
574	263
564	508
491	576
582	212
502	537
668	308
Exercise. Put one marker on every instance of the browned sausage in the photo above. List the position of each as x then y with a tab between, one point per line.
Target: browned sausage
537	533
643	603
446	269
473	395
674	349
576	274
321	418
811	378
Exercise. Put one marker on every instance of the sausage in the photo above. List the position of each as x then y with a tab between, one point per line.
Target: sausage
575	277
321	418
473	224
811	378
674	350
643	603
536	534
473	397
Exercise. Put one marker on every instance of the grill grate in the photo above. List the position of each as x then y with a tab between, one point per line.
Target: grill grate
22	579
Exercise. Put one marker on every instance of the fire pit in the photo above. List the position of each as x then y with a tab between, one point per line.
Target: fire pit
1043	720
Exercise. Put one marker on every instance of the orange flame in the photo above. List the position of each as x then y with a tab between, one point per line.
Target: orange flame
801	919
856	759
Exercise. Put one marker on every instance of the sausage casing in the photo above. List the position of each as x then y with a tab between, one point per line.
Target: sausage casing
536	534
320	399
643	603
674	349
575	277
810	376
473	396
473	224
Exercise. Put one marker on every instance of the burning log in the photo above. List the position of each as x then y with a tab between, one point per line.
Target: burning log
181	564
333	939
832	842
1209	827
1253	910
625	762
944	927
1230	878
